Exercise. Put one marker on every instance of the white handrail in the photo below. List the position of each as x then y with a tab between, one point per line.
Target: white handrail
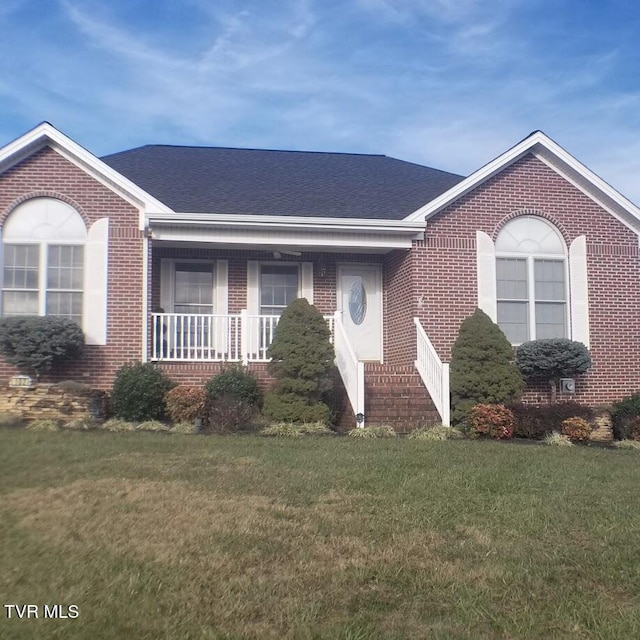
434	373
350	368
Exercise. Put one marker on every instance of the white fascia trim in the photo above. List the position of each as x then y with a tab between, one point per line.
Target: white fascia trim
306	223
46	134
542	147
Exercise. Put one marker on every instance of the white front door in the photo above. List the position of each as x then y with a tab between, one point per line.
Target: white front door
360	301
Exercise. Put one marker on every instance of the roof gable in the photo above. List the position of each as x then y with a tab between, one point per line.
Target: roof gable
553	155
46	135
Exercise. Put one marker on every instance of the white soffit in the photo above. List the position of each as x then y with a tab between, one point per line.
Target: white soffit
554	156
298	231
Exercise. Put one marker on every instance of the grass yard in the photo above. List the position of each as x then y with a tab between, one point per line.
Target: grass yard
175	537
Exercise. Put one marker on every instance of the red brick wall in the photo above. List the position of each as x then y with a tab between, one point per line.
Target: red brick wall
400	282
446	269
46	173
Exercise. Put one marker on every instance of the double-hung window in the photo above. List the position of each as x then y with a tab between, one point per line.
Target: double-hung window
279	286
531	281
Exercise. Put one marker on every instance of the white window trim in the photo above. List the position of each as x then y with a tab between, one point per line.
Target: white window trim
43	267
220	295
305	281
577	284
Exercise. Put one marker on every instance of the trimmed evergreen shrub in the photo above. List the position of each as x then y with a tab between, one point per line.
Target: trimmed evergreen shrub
493	420
236	382
623	415
552	359
138	393
538	421
302	362
37	344
481	369
233	399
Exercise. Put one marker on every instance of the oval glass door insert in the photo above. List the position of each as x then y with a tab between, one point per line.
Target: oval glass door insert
357	301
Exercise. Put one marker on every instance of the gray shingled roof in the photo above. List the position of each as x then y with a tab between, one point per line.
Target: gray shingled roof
281	183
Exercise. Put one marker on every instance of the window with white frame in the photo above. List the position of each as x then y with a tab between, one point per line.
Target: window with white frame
531	280
193	288
279	286
43	260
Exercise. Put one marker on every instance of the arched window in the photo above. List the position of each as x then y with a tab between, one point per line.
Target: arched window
531	280
43	260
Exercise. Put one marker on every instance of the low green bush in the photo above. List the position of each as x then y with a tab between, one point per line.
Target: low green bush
184	428
79	424
436	432
40	343
117	425
291	430
236	382
139	393
233	399
624	414
373	431
154	426
555	439
627	444
282	430
291	407
43	425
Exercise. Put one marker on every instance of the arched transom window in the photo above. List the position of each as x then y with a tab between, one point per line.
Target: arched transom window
43	260
531	280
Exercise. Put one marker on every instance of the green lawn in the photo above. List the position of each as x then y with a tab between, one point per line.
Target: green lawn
166	536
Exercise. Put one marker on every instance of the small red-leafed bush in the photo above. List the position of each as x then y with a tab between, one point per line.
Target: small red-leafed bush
491	420
576	429
185	404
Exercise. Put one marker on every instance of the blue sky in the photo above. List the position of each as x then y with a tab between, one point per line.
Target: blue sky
447	83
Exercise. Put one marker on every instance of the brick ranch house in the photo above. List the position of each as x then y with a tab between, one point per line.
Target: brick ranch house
186	256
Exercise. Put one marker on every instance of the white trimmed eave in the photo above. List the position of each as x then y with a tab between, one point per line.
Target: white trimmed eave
46	134
311	233
554	156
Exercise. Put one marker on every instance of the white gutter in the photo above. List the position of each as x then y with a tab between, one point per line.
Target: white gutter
286	222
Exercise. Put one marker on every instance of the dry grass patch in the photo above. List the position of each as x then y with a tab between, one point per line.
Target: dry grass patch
250	537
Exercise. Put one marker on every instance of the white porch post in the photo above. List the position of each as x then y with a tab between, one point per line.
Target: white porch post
244	336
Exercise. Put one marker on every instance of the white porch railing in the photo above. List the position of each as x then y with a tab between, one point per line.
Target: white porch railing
180	337
350	368
434	373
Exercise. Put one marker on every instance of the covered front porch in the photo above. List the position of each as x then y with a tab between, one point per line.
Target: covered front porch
216	300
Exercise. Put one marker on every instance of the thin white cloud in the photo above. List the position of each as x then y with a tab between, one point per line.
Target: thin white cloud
451	83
